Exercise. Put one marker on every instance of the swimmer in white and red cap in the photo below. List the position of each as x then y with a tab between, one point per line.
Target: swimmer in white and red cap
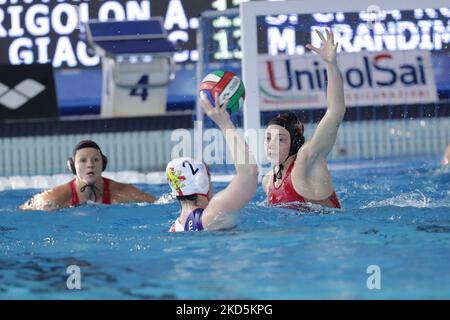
190	181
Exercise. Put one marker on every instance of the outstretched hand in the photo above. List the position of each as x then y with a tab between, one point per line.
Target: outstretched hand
328	49
217	113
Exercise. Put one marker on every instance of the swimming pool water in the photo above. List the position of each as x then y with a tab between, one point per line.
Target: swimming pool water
396	215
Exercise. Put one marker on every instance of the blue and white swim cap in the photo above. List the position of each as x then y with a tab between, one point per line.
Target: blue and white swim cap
187	176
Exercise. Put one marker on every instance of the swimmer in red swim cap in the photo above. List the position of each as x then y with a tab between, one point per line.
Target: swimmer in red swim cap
300	173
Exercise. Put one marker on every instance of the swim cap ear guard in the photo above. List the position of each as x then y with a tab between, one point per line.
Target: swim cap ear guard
187	176
82	145
298	139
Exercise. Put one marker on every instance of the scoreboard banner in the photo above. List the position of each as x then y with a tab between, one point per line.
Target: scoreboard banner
48	31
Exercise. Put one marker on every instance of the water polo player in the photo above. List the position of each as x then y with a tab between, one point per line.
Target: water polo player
190	180
87	164
300	173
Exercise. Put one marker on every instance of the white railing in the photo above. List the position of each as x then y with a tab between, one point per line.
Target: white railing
135	151
149	151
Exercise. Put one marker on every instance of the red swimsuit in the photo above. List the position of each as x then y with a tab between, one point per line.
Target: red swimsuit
106	198
286	193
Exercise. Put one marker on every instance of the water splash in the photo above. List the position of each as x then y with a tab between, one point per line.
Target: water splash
414	199
166	198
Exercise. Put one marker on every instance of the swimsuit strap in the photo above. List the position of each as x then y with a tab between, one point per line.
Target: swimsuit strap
73	189
106	198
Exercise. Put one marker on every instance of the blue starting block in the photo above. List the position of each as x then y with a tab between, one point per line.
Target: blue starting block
137	65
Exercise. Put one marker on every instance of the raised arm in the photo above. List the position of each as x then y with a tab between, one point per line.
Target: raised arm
325	135
243	185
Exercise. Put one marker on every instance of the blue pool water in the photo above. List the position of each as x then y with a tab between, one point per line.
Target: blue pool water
395	216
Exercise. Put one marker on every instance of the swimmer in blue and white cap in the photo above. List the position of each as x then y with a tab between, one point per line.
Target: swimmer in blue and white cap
190	180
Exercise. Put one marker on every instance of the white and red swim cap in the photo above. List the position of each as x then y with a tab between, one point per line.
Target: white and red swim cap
187	176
